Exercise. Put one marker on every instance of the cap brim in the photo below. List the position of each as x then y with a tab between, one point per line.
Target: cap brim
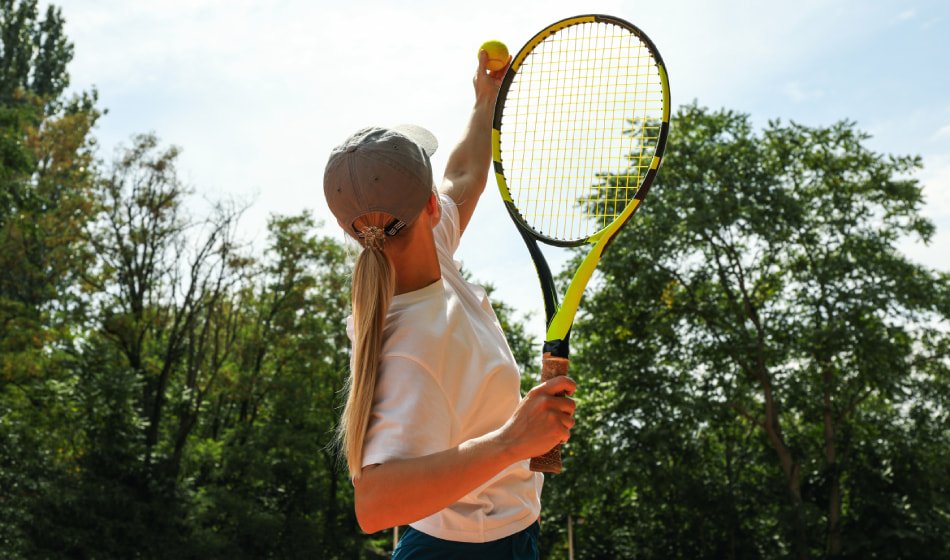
425	139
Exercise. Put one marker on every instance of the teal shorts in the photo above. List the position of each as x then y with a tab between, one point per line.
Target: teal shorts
416	545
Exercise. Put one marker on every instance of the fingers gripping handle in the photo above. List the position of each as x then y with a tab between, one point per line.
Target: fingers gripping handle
550	462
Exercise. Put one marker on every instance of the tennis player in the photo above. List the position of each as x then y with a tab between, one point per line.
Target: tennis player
435	430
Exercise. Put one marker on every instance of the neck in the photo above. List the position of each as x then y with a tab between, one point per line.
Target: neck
418	267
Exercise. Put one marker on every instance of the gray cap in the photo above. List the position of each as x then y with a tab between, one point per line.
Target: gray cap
381	170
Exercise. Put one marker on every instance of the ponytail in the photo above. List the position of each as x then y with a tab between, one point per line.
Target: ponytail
374	283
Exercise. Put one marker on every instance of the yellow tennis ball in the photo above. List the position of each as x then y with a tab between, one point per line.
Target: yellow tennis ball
497	54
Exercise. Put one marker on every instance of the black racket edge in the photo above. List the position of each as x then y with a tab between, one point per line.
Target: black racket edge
499	110
560	348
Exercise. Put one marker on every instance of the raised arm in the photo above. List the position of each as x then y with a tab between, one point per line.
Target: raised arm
467	169
406	490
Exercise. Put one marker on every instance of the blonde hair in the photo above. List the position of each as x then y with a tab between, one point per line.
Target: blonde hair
374	283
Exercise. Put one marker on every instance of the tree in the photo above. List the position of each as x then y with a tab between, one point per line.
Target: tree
46	201
46	183
164	392
35	53
264	457
156	341
751	318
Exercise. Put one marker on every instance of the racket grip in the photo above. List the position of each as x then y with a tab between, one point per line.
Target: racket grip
550	462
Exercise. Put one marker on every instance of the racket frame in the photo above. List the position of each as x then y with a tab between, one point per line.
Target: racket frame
560	316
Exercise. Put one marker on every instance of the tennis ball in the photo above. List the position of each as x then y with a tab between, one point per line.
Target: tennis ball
497	54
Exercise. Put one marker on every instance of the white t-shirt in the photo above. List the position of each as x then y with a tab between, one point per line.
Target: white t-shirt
446	376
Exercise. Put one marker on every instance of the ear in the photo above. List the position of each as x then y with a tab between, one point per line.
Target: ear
434	209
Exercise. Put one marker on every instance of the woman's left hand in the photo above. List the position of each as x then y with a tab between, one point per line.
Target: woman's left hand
487	82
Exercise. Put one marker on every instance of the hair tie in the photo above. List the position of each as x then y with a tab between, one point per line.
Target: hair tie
373	237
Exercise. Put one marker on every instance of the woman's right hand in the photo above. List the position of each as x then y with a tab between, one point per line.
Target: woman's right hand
543	419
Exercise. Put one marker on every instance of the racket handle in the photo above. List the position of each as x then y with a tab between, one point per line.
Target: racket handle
550	462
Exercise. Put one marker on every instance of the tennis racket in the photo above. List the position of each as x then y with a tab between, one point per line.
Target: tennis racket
579	129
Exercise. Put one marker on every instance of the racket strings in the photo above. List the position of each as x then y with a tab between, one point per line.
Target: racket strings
580	125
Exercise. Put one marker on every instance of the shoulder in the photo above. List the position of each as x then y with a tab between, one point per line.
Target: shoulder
448	232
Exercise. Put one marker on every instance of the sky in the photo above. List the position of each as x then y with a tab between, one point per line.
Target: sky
257	93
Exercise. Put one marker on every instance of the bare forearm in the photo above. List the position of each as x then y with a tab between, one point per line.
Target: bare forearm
406	490
467	170
468	162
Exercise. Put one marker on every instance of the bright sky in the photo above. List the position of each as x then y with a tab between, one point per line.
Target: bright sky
257	93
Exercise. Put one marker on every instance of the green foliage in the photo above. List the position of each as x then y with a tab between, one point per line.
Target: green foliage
756	336
35	53
268	477
46	202
762	373
523	346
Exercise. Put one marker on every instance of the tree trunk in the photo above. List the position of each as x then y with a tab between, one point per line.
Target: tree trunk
570	537
733	512
833	545
790	465
801	535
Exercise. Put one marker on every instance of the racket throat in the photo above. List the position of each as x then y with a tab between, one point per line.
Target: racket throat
558	348
544	276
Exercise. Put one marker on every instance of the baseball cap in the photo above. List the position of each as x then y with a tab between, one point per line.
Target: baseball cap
381	169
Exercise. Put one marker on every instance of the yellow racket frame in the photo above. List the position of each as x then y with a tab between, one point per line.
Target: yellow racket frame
559	325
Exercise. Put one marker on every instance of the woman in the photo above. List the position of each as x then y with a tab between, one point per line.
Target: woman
435	431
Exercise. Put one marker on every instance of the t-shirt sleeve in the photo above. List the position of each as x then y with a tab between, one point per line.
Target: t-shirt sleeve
447	233
411	416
